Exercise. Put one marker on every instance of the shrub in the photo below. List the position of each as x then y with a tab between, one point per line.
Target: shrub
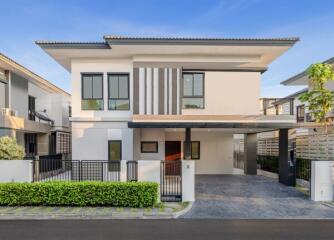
9	149
57	193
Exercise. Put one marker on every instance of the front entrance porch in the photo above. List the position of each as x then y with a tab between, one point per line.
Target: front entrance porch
251	197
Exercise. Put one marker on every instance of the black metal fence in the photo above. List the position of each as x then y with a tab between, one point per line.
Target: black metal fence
50	162
75	170
303	169
171	181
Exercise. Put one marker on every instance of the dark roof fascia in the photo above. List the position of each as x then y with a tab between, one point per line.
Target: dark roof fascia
201	41
260	70
72	45
264	125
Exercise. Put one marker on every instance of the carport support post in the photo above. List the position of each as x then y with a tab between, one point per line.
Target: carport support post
250	154
187	144
286	175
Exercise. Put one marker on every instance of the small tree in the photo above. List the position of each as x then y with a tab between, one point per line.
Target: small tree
319	99
9	149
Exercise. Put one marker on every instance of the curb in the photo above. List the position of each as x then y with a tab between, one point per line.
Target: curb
183	211
115	215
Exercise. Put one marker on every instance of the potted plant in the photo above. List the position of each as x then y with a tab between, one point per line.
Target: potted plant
10	150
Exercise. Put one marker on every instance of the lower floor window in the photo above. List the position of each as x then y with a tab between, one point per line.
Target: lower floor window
195	149
114	155
149	147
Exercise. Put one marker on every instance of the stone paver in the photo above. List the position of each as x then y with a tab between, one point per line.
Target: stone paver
252	197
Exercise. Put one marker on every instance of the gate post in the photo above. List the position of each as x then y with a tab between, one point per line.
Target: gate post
188	180
123	171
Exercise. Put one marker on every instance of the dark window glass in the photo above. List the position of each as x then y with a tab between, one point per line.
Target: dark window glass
187	85
114	154
70	111
118	92
301	113
195	149
31	108
149	147
92	92
193	90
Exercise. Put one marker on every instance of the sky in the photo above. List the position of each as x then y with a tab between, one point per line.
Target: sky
25	21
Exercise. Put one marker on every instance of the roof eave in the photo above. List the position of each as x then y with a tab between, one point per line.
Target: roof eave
72	45
188	41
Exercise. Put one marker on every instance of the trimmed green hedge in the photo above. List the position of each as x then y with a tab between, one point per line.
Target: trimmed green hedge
268	163
118	194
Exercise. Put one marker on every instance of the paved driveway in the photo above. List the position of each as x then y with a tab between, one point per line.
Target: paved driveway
254	197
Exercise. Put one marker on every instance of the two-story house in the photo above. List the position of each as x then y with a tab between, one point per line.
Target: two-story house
302	79
33	110
169	98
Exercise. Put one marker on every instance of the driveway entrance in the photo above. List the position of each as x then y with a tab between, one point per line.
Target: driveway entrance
253	197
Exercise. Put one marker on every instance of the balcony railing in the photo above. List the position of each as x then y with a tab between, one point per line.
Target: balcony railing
9	112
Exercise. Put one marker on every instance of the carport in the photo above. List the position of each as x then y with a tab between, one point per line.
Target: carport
238	124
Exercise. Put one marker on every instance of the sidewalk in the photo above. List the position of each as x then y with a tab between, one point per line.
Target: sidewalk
167	211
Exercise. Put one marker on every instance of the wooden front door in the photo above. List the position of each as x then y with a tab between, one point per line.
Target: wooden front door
172	150
173	155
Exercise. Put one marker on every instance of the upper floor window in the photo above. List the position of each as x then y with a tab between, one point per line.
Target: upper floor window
301	113
193	90
31	108
118	94
92	92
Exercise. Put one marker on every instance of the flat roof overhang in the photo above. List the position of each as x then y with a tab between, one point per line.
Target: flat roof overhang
241	53
232	123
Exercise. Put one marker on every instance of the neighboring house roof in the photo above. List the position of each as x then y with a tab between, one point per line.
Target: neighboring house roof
302	76
291	96
21	70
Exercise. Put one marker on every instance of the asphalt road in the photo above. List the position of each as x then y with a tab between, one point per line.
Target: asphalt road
166	229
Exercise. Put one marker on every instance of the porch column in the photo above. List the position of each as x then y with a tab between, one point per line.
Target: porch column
250	154
187	144
286	170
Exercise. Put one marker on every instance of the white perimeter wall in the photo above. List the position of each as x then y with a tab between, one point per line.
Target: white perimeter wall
16	171
322	179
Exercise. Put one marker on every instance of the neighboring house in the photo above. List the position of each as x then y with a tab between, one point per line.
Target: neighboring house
33	110
289	105
301	79
169	98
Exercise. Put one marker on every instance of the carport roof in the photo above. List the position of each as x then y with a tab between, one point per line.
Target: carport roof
241	123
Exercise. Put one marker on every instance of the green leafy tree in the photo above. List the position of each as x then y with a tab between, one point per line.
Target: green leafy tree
319	99
9	149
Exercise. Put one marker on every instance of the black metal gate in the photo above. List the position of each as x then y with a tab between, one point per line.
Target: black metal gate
171	181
